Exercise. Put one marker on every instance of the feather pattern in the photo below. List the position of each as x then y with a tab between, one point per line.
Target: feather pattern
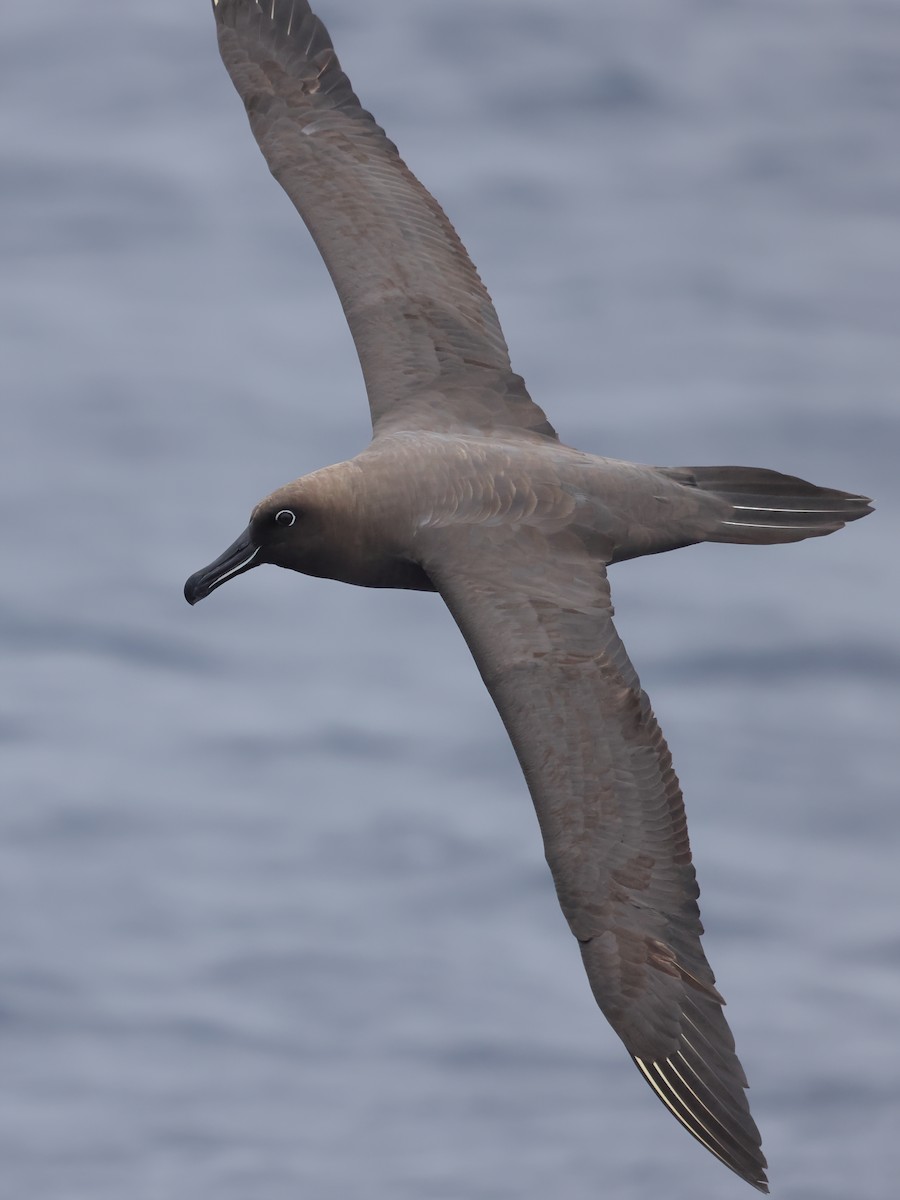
466	490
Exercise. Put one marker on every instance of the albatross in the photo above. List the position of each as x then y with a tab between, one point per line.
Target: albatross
467	491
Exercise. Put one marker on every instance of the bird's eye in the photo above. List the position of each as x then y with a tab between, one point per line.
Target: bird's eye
285	517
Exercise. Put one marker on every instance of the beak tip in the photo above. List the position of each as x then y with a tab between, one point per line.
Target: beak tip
235	561
192	591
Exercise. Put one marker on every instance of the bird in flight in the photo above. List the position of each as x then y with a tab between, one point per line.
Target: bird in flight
466	490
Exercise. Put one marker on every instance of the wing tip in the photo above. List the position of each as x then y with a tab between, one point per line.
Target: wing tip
739	1148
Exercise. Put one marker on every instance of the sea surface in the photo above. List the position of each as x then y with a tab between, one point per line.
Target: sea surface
274	918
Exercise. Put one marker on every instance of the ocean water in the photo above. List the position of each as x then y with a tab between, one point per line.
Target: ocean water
274	919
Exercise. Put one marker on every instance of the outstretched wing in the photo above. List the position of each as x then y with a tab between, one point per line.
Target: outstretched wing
428	338
536	614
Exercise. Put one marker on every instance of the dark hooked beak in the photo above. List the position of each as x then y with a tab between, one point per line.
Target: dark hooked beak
238	558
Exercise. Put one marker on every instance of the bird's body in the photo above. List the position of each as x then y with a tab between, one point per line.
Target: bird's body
381	511
466	490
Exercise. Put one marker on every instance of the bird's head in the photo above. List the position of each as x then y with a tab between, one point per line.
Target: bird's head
284	529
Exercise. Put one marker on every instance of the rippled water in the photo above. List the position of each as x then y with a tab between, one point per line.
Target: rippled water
274	920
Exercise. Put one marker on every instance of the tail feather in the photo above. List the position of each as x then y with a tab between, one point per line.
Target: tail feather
766	506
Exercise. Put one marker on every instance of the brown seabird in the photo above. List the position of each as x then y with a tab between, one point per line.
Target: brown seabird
466	490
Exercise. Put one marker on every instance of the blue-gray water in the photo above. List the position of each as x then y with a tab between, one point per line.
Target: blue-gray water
274	920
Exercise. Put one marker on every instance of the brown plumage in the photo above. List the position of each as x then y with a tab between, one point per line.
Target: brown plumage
467	491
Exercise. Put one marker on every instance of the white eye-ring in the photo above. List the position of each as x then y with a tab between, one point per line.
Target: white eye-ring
285	517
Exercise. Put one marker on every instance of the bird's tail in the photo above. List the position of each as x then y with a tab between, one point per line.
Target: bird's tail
766	506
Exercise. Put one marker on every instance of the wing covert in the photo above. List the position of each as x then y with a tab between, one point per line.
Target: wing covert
428	338
611	814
